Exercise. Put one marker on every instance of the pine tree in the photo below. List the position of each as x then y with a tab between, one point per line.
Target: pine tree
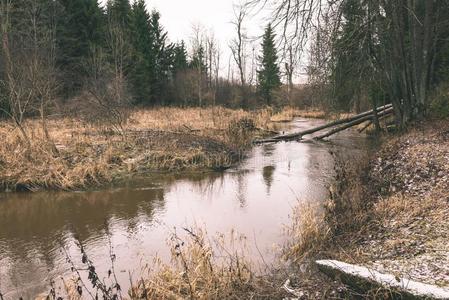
179	69
81	27
268	74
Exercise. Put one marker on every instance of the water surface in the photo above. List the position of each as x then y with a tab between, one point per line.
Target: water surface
255	199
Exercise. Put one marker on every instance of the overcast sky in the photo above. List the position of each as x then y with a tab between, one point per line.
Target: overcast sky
178	17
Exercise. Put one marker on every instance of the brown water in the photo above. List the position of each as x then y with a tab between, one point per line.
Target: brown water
255	199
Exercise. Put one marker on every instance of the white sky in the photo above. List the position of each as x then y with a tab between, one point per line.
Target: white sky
178	17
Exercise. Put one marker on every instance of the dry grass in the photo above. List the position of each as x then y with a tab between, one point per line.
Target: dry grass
307	232
42	167
204	119
314	228
201	267
204	268
160	139
288	113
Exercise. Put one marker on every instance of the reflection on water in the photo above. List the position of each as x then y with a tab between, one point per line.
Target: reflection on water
255	199
267	173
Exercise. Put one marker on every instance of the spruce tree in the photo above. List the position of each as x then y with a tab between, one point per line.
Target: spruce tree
180	62
161	58
198	60
141	73
120	11
268	74
80	28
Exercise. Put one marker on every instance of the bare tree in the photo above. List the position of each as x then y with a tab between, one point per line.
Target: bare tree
108	97
216	68
213	63
118	45
17	99
290	65
198	52
238	45
401	37
253	72
30	62
42	68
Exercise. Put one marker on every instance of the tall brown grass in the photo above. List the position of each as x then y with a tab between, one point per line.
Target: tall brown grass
79	155
313	227
307	232
204	267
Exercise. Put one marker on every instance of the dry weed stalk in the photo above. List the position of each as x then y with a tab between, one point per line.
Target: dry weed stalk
308	231
201	269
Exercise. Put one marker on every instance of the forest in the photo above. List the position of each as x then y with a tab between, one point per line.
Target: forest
60	56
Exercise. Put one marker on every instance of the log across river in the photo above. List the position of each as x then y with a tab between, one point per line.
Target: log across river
345	124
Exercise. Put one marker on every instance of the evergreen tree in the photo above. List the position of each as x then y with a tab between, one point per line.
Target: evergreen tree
81	27
120	12
268	74
180	62
198	59
351	61
161	58
141	74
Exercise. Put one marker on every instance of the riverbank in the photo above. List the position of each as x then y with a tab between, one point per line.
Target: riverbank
81	155
407	232
388	213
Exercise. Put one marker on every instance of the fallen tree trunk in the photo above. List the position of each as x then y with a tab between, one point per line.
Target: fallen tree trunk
364	280
353	123
299	135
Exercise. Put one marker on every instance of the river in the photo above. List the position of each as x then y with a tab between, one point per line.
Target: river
254	198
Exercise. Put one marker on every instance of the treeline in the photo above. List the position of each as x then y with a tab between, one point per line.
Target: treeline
87	46
80	56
